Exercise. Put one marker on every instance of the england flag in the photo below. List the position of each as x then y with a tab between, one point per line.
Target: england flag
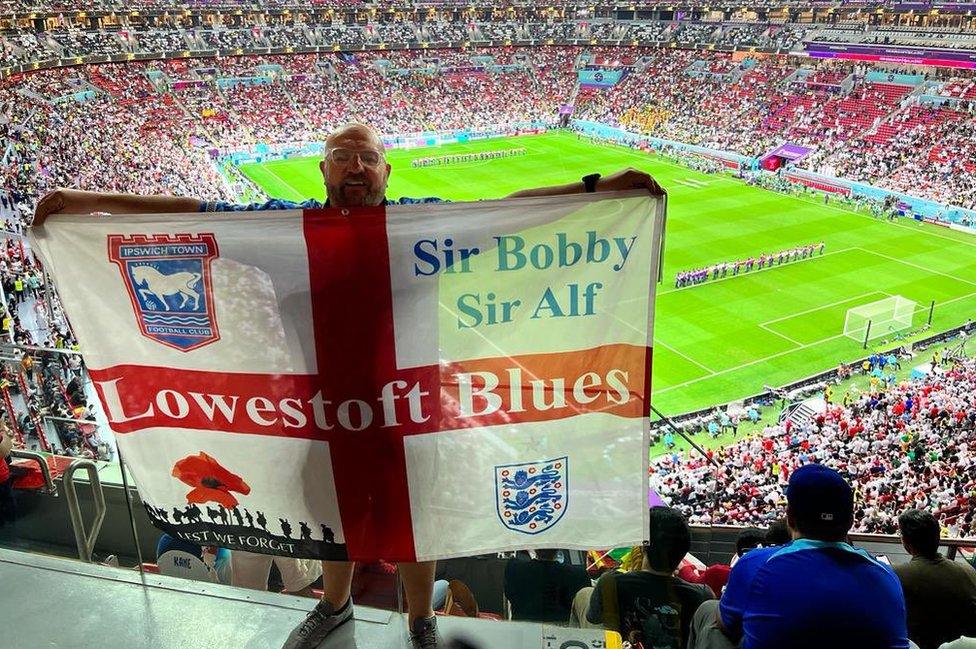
407	382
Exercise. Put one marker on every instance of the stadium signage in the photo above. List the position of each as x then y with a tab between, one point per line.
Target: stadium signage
343	412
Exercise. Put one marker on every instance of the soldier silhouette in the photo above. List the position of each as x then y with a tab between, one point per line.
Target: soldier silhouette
250	519
262	521
285	528
237	516
177	516
306	531
162	513
213	514
223	515
327	534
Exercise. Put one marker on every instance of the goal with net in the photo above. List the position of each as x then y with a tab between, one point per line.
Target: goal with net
879	319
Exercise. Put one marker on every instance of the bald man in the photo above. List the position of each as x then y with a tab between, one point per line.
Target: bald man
355	173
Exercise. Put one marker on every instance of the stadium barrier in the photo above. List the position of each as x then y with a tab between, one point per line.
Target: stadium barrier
921	208
597	129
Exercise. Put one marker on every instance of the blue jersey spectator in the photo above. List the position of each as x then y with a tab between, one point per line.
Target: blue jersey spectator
814	592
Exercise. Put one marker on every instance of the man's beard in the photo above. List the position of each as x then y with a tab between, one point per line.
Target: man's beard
371	198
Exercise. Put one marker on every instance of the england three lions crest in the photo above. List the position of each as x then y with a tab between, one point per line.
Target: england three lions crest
168	279
531	497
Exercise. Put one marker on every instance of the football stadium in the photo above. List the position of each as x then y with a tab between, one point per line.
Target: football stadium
275	370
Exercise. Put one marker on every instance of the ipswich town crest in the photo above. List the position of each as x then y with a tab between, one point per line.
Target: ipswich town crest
531	497
168	279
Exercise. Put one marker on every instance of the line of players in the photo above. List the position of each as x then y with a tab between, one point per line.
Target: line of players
467	157
722	269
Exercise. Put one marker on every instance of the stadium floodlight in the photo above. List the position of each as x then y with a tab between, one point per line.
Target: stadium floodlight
879	319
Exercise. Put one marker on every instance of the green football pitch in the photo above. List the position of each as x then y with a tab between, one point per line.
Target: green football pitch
724	339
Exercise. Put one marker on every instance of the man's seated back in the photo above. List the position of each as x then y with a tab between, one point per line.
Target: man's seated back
651	605
940	594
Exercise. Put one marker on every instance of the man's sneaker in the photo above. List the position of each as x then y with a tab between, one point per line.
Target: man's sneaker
320	622
424	634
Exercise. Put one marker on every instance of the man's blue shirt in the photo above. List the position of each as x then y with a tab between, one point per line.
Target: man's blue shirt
814	594
281	204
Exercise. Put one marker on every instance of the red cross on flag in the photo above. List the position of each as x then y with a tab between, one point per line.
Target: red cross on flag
406	382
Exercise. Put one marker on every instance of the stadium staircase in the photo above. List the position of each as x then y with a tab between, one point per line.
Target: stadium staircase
802	414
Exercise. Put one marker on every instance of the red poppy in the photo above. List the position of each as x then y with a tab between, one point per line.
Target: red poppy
210	481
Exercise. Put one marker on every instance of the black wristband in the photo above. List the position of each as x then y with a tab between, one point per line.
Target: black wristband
589	183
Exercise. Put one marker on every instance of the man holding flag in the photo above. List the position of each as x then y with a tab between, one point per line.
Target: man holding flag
355	173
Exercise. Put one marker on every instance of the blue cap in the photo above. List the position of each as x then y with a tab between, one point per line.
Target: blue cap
820	496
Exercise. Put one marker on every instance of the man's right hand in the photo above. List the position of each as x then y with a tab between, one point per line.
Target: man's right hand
63	201
75	201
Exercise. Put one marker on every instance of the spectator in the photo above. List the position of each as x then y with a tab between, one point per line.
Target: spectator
940	595
252	570
777	534
817	591
542	589
651	605
749	539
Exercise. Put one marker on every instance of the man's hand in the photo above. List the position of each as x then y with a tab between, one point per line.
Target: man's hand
620	181
75	201
629	178
63	201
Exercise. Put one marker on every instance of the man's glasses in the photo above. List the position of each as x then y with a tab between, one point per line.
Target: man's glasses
344	157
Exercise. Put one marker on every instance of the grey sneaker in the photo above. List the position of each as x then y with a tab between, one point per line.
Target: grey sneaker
424	634
320	622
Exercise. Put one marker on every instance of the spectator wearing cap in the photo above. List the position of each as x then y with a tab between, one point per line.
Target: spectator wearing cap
940	595
816	591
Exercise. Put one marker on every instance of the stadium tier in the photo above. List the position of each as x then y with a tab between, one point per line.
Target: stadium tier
817	300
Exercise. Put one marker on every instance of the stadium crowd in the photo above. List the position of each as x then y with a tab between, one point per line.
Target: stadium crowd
908	445
171	116
902	447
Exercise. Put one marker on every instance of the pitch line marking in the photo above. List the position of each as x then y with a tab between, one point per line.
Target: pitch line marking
920	267
825	306
783	336
790	351
917	229
750	363
285	183
710	371
658	342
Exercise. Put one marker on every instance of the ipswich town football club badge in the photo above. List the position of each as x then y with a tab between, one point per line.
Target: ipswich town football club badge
168	279
531	497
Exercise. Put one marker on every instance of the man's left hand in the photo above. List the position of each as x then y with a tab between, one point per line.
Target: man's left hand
629	179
